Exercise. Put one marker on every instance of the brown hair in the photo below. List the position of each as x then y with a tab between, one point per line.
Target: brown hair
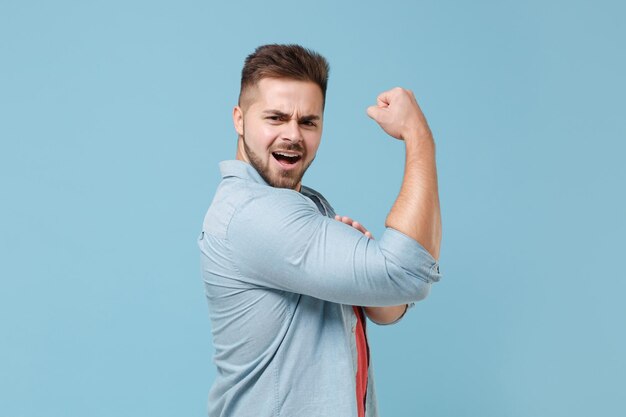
284	61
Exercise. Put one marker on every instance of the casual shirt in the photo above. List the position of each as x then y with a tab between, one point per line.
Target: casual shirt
281	277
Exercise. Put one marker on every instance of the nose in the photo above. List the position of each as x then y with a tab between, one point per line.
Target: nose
292	131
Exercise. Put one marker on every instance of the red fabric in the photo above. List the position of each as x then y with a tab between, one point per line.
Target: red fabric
362	360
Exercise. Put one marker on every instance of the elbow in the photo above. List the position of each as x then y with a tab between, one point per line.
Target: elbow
422	291
407	260
412	285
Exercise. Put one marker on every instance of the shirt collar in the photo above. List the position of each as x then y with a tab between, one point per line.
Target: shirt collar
240	169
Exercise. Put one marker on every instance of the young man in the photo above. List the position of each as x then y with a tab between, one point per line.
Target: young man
285	277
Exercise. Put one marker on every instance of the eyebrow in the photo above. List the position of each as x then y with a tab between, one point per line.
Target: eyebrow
279	113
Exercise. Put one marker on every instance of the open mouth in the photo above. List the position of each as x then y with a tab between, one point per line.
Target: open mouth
286	159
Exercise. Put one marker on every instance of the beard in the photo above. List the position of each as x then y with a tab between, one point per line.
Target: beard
283	178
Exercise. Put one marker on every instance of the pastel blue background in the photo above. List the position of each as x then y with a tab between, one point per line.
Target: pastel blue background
114	115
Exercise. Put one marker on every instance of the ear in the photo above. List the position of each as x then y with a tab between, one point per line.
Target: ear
238	120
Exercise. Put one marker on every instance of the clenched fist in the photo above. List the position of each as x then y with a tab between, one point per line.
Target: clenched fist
398	113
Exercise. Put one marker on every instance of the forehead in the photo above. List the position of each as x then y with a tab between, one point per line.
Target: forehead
287	96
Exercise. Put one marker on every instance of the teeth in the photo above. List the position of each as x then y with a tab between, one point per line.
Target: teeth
291	155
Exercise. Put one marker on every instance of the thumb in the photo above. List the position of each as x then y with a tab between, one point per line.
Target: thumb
375	112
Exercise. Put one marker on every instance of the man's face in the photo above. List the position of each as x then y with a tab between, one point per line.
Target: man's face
280	127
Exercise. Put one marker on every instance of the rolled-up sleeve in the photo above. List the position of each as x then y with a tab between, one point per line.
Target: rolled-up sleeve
281	241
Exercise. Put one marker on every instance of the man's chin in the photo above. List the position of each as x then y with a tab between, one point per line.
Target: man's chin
280	181
279	178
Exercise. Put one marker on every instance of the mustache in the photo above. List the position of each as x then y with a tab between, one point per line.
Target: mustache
294	147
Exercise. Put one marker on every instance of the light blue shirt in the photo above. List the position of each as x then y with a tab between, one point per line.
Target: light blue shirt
281	277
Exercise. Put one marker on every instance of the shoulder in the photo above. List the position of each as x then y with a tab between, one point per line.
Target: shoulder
265	204
242	201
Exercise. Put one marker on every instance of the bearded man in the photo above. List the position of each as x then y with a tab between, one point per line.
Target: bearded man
289	283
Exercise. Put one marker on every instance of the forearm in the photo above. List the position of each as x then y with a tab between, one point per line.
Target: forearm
385	315
416	211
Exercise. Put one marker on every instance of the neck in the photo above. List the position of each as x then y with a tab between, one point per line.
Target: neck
241	152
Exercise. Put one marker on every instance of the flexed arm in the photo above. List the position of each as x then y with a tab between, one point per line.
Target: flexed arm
416	211
293	247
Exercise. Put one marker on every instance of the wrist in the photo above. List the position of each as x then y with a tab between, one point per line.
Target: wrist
417	132
419	144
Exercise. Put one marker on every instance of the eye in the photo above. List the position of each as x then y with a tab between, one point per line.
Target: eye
309	123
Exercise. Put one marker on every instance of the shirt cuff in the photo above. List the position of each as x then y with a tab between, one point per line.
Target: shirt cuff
410	255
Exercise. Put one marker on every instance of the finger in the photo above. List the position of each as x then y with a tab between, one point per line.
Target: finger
369	235
358	226
384	98
374	112
344	219
382	103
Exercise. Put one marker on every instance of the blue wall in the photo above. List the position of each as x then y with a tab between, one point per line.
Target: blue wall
114	114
